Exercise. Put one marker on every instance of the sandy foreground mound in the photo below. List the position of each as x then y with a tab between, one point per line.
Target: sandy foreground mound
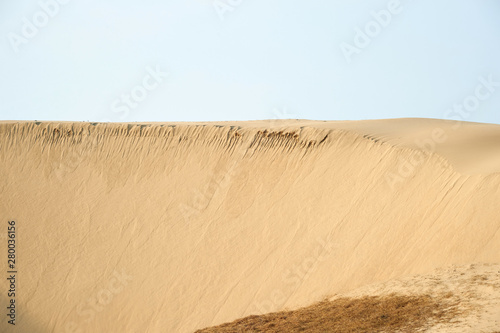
453	300
176	227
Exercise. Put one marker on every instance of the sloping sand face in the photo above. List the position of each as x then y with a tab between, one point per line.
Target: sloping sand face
176	227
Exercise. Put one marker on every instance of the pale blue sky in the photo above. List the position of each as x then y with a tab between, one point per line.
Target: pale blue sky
242	60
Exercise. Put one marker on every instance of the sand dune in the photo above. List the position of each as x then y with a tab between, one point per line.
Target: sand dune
176	227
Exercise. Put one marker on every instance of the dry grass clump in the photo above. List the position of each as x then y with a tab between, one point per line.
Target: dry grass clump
366	314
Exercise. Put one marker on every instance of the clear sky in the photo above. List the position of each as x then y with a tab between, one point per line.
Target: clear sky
197	60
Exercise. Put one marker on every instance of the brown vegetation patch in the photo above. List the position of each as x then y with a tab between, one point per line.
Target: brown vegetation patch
366	314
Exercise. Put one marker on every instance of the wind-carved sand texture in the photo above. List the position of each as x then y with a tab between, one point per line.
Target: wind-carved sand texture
174	227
